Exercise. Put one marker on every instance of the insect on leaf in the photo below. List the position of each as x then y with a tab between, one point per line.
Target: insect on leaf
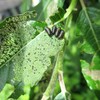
33	60
15	32
24	58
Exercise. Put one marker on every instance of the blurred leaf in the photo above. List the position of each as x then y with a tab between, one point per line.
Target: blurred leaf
26	95
58	15
6	92
44	10
26	5
87	23
60	96
12	37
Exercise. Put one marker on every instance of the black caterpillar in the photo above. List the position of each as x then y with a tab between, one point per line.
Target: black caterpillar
55	31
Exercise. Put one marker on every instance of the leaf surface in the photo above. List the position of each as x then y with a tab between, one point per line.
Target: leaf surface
25	56
90	30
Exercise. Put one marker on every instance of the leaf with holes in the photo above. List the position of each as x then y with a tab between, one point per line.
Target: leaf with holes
32	58
15	32
29	64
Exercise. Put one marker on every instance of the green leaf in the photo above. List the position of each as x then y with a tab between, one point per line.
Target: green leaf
90	30
6	92
44	10
26	58
26	95
34	59
15	32
92	76
60	96
58	15
63	96
26	4
86	23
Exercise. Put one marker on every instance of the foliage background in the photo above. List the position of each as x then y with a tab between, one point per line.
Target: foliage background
74	80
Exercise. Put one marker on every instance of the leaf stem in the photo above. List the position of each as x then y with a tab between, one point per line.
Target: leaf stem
58	66
62	84
50	88
68	10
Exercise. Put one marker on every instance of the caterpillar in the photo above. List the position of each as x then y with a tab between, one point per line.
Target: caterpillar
58	32
11	24
21	17
11	31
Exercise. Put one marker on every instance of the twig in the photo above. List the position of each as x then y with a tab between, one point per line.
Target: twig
49	91
62	84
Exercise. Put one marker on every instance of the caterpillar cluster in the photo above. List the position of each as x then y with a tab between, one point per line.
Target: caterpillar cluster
11	23
21	17
58	32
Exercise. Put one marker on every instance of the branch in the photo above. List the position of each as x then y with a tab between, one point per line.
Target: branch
62	85
49	91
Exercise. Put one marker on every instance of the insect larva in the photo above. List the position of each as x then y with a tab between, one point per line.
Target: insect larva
55	31
61	35
54	28
20	18
48	30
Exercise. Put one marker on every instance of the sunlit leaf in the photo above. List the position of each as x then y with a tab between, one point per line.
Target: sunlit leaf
15	32
26	58
6	92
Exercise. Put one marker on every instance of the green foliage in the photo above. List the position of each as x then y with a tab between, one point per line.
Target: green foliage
26	93
90	29
44	10
28	56
25	5
6	92
11	35
60	96
34	55
57	16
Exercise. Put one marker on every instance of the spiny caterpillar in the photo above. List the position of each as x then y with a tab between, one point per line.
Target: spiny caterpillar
55	31
12	32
